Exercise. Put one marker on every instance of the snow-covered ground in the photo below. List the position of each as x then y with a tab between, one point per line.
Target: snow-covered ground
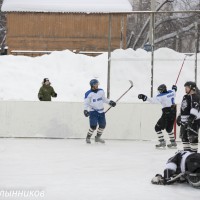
71	169
70	73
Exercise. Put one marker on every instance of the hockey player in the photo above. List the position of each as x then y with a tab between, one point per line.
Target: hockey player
166	121
93	107
183	167
189	118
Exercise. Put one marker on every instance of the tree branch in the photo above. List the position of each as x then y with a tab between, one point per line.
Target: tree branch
147	22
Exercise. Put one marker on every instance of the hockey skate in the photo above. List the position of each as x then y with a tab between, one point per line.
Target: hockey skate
162	145
88	141
172	145
98	139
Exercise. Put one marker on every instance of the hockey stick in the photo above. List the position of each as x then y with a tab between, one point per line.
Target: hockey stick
176	177
131	82
181	69
175	84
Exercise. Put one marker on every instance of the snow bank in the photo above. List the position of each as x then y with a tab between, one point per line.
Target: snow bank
69	73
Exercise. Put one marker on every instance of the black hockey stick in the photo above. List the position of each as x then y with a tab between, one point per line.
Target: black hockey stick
175	178
131	82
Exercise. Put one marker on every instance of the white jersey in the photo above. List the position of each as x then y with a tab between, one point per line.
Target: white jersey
94	100
167	99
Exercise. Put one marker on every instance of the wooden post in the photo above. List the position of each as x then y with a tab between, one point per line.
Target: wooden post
122	33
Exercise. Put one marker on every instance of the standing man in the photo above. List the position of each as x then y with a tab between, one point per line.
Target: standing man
46	91
93	107
166	121
189	118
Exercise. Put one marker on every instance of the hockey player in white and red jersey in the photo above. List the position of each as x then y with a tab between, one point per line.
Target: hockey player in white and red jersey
94	108
167	99
189	117
183	167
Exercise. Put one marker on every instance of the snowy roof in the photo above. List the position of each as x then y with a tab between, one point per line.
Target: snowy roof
68	6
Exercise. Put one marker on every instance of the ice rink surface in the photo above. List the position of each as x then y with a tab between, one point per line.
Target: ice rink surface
69	169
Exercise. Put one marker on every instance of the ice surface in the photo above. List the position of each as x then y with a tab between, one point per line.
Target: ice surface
73	170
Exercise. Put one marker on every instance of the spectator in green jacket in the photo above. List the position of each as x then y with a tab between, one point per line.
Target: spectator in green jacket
46	91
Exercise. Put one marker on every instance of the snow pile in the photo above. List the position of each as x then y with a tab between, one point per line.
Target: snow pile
83	6
69	73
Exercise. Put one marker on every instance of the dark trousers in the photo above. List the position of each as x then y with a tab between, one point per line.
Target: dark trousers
190	133
167	120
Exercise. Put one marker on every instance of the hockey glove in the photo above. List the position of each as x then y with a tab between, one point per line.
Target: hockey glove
86	113
174	87
142	96
112	103
158	180
40	98
55	95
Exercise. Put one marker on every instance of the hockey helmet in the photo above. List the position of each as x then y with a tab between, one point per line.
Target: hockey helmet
191	85
94	82
162	88
194	179
193	168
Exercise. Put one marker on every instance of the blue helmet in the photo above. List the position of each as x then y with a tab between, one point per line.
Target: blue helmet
94	82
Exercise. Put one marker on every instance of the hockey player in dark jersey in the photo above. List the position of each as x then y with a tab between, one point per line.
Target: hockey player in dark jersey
189	118
183	167
93	107
166	121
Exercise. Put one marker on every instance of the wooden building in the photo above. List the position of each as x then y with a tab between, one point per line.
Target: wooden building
48	25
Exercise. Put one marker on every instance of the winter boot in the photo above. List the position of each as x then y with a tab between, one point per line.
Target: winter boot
172	145
98	139
161	145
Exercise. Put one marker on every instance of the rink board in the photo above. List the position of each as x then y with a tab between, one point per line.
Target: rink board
66	120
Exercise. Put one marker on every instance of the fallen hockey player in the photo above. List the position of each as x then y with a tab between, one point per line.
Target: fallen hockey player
183	167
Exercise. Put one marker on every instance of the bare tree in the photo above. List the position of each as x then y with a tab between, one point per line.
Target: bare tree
176	31
2	27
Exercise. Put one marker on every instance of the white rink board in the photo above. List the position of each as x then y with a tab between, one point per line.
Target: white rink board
66	120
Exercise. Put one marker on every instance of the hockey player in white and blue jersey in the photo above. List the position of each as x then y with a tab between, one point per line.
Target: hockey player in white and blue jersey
167	99
94	108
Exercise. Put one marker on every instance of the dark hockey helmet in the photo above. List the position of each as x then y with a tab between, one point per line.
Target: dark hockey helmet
194	179
193	167
162	88
94	82
191	85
